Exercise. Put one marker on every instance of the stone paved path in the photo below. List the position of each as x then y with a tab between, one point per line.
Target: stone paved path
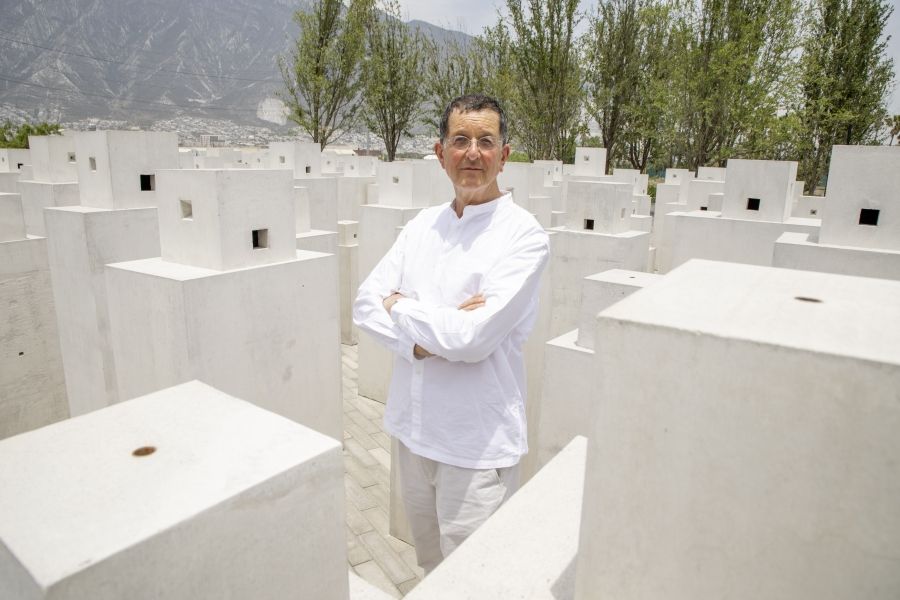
376	556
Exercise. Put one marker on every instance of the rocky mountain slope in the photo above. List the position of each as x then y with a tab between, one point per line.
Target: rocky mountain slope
143	60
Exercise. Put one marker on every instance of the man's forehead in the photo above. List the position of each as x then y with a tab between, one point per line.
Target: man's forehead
485	120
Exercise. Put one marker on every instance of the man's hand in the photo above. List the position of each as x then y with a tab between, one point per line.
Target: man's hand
476	301
391	300
420	352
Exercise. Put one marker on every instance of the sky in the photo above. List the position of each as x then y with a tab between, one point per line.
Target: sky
471	16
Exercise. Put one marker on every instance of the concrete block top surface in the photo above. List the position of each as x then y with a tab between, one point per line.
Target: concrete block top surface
79	491
625	277
819	312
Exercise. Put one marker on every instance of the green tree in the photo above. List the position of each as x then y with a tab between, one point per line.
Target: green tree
546	103
846	77
732	78
449	72
392	77
17	137
321	76
613	66
893	125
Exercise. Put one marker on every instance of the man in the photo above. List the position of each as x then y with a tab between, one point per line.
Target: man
455	299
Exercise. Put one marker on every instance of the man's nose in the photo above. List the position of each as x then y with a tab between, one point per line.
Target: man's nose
472	152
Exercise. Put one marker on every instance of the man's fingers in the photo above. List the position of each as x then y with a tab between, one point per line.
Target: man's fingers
473	306
476	299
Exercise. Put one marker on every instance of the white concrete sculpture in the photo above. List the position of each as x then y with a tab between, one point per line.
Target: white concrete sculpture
589	162
303	158
771	475
116	169
233	303
860	217
53	181
32	386
186	493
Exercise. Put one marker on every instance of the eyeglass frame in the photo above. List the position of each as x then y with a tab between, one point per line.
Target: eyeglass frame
495	143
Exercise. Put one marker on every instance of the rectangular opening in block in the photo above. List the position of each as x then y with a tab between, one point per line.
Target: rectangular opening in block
752	203
587	158
868	216
589	224
187	209
19	166
308	169
71	157
704	208
813	212
622	215
281	159
260	238
92	163
395	179
148	183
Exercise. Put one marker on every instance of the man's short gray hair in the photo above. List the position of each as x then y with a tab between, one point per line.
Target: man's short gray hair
474	102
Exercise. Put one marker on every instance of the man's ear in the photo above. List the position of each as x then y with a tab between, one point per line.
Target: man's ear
439	151
504	155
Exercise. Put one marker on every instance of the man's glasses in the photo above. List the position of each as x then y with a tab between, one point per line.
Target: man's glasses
484	144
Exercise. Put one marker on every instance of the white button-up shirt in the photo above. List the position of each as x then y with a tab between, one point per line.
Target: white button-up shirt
466	405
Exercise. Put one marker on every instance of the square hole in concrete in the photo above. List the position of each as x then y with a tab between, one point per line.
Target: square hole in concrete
752	203
187	209
260	238
868	216
281	159
92	163
19	166
308	169
813	211
587	158
148	183
622	215
71	157
704	208
589	224
395	179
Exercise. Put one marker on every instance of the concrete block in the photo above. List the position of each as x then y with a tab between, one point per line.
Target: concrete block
81	241
590	162
8	182
116	169
678	176
226	219
540	522
707	235
53	158
576	254
32	386
799	251
38	195
809	207
316	240
711	173
862	207
602	207
268	334
13	159
187	493
602	290
303	158
759	190
12	221
323	201
699	192
773	473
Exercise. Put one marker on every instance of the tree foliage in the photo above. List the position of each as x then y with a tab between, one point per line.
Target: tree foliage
12	136
845	80
321	76
392	77
546	99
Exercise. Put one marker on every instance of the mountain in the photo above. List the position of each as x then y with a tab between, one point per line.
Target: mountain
144	60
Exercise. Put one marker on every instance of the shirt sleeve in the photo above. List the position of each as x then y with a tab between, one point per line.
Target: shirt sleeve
368	309
510	290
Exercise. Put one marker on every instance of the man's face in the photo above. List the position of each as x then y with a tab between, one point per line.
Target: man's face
472	169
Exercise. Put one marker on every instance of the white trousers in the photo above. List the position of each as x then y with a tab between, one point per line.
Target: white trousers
446	504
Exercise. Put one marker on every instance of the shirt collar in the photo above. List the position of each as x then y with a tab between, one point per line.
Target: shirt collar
473	210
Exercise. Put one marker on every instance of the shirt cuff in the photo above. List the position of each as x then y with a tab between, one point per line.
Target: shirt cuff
406	347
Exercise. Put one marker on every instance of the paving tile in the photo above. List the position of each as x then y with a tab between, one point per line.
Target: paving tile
368	425
407	586
371	572
383	439
357	523
382	456
360	474
357	496
378	518
389	561
366	408
382	495
356	553
360	453
409	557
360	435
